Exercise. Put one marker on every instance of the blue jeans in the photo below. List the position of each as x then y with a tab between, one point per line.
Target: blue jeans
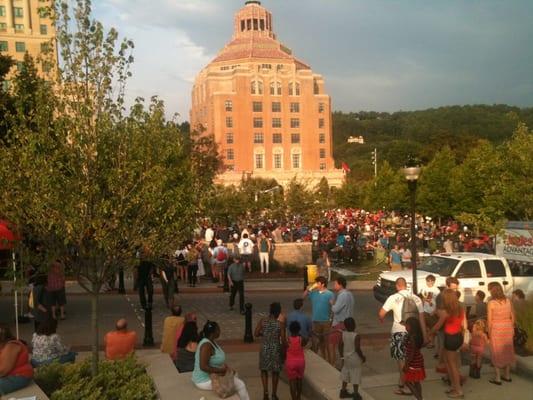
9	384
70	357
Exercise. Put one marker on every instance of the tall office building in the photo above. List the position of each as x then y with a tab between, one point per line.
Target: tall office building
25	26
267	110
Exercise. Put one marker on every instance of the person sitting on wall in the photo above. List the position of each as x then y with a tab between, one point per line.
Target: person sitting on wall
120	342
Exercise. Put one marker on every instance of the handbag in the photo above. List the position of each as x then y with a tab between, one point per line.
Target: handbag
224	385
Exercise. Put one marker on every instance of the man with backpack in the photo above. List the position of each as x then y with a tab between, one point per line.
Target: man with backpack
403	305
220	260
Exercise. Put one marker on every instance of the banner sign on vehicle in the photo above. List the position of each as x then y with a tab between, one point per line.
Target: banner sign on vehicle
516	242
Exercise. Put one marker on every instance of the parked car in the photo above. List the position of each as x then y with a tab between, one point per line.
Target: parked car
474	270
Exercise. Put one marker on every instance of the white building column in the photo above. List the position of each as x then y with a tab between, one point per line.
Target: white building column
26	14
9	16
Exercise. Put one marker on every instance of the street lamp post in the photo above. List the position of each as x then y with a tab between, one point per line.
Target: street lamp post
412	172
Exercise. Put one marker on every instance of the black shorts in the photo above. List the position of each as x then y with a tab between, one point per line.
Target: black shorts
453	342
56	297
246	257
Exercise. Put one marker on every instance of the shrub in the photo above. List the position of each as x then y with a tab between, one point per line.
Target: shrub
116	380
524	319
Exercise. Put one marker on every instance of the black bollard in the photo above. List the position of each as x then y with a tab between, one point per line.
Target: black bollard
121	288
148	334
248	336
226	283
306	279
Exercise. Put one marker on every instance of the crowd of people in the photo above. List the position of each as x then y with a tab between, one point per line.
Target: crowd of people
439	320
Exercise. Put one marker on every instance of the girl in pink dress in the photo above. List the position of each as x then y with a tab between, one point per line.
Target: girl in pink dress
295	361
477	347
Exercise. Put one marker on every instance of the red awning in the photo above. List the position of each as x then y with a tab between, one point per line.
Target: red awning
8	235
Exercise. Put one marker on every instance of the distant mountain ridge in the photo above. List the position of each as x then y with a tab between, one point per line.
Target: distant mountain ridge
396	135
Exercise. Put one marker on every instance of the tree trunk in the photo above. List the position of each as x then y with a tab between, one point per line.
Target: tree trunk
94	326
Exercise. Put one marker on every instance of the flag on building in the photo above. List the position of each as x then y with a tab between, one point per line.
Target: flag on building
345	167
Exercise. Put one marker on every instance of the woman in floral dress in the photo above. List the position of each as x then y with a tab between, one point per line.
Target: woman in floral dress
272	329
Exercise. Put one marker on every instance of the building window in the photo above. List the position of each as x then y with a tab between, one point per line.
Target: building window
3	45
322	153
3	26
258	138
294	89
295	160
230	155
295	107
321	123
321	138
20	47
262	24
320	108
295	138
278	161
322	166
20	65
19	27
230	167
243	25
17	12
257	87
276	122
316	89
275	88
229	138
276	106
228	105
45	47
2	11
258	122
276	138
266	66
248	24
43	29
259	161
43	12
295	122
229	122
257	106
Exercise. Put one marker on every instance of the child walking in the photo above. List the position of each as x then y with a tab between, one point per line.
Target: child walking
353	358
295	361
414	371
477	346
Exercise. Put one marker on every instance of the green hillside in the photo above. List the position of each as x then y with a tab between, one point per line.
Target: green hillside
422	133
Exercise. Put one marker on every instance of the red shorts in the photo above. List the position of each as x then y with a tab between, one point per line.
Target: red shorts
295	368
335	336
414	375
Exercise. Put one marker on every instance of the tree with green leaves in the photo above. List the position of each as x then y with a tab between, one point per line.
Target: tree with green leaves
100	183
434	194
388	190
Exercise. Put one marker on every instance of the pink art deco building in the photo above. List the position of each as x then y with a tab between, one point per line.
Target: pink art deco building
267	110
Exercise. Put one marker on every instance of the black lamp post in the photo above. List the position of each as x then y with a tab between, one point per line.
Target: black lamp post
412	172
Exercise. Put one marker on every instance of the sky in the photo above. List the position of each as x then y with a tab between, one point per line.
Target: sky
374	54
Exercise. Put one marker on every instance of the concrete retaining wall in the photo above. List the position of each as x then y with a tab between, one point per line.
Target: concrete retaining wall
298	254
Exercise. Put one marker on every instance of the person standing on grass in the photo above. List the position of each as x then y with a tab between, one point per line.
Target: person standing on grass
352	360
413	370
321	299
295	361
342	308
236	283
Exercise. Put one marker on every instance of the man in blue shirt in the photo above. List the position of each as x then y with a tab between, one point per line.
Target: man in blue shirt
303	319
321	299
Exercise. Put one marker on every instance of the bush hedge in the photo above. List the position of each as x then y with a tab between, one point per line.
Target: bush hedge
116	380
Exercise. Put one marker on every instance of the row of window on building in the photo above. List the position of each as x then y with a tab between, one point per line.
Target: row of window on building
276	122
277	161
18	12
277	138
257	106
256	87
256	24
20	47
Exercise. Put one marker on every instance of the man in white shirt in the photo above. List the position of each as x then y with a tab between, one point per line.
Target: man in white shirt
246	248
209	234
394	303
